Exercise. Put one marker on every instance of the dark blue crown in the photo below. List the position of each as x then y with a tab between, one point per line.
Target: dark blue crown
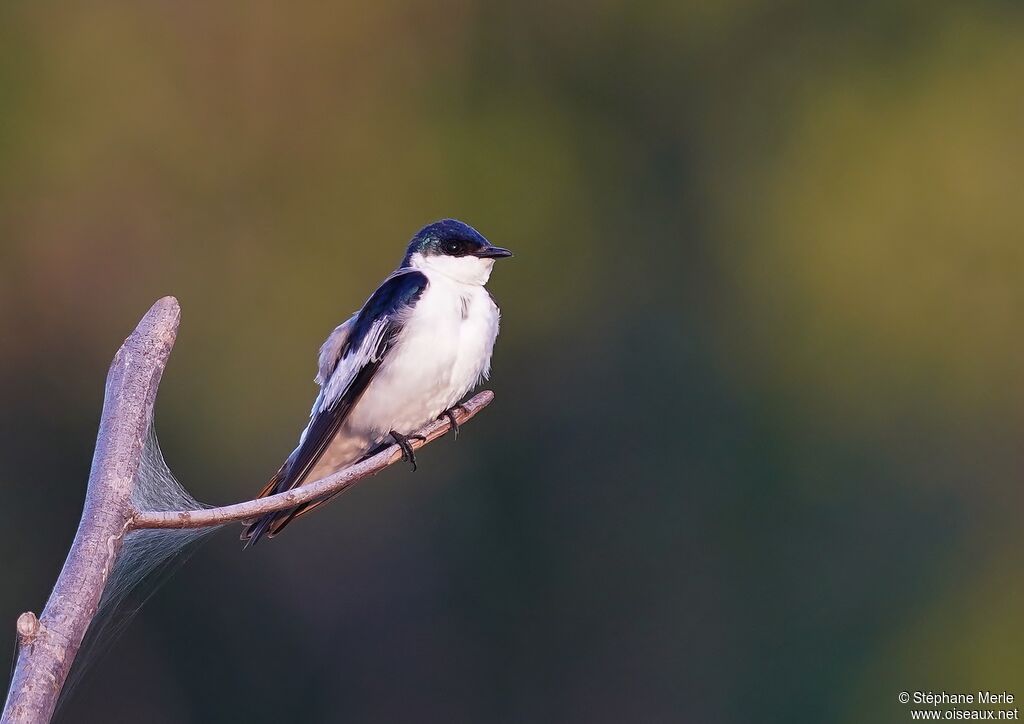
430	238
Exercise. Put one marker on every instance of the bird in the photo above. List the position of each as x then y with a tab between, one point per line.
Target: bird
417	346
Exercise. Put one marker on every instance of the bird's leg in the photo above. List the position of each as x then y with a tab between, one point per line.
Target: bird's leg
403	442
450	414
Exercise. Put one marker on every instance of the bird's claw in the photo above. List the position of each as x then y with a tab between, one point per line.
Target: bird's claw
450	414
403	443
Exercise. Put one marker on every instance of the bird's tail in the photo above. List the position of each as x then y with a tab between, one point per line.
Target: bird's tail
344	451
271	524
256	529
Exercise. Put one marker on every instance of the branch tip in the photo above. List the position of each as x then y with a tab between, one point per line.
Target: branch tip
28	626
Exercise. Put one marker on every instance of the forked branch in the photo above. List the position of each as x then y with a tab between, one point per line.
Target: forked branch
47	646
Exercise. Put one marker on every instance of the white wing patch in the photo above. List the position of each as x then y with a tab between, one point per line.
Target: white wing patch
334	375
350	365
330	351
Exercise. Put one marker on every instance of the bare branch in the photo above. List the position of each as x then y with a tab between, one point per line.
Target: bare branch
50	644
330	485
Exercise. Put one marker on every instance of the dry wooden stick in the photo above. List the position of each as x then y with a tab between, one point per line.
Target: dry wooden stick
339	481
47	646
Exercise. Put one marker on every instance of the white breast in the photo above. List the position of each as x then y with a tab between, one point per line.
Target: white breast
443	351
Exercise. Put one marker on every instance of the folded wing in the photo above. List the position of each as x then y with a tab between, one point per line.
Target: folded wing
349	359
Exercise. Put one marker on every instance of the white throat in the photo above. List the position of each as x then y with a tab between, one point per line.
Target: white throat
463	269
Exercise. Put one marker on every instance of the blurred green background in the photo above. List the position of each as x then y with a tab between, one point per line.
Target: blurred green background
755	454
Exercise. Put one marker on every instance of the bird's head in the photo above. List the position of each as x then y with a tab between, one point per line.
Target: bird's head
454	249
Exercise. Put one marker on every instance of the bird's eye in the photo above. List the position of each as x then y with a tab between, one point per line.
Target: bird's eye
450	247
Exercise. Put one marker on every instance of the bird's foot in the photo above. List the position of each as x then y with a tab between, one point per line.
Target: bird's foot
403	442
450	414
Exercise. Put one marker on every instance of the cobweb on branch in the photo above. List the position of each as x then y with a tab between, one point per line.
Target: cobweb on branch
148	558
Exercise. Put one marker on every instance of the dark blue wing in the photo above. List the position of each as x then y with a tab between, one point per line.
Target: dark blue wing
373	333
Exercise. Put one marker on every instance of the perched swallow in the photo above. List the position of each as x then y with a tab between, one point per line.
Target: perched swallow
417	346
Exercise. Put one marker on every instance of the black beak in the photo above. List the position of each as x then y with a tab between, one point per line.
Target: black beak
493	252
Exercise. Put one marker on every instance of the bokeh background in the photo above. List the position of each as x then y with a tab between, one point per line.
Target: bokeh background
756	449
